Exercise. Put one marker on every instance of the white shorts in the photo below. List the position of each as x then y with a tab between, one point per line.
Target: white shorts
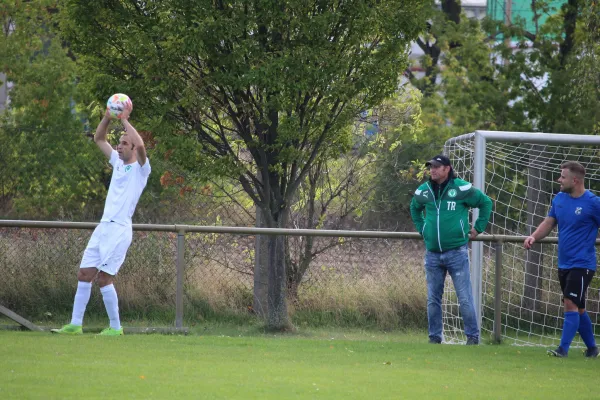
107	247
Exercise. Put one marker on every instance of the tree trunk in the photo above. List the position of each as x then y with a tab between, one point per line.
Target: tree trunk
537	203
270	270
270	294
278	319
452	10
571	11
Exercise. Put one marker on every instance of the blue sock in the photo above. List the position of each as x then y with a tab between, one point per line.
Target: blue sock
585	330
569	329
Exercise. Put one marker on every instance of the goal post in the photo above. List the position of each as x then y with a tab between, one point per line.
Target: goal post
518	170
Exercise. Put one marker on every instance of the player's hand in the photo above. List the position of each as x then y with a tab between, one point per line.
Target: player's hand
529	241
473	233
127	110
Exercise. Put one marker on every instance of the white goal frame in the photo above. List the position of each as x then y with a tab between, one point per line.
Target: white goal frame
481	138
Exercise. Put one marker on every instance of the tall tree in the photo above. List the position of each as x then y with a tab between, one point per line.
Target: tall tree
541	79
432	44
586	65
47	166
258	90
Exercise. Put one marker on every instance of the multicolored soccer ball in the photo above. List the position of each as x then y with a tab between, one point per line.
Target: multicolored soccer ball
116	104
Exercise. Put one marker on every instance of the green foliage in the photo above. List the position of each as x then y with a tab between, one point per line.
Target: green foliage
585	66
552	76
471	92
400	142
256	91
49	167
348	192
49	173
546	79
547	82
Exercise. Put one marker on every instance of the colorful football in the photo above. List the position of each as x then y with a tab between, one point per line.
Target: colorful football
116	104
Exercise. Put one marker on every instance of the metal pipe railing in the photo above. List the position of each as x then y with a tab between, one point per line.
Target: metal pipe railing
498	292
181	230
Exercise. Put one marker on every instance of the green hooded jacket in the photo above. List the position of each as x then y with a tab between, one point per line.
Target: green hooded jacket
445	225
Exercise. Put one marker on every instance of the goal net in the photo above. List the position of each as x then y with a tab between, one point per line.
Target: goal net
519	171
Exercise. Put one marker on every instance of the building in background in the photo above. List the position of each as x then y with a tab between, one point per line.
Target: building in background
474	8
515	10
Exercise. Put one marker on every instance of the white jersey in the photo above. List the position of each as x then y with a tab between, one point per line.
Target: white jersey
126	186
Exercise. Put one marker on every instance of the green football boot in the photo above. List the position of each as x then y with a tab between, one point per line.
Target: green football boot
111	332
68	329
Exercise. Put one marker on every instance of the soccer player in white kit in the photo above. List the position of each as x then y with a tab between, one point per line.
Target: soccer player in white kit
108	245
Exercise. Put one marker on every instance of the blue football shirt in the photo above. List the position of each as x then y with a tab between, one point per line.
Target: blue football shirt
578	222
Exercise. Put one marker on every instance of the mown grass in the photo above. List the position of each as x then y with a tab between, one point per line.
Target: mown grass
307	365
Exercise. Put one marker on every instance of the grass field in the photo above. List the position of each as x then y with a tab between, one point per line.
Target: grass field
316	365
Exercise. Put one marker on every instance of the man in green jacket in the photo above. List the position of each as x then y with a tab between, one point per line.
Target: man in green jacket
446	200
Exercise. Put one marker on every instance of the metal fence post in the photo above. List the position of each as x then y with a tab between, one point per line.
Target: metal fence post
498	293
180	277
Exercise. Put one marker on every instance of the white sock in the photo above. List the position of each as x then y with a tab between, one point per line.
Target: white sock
82	296
111	302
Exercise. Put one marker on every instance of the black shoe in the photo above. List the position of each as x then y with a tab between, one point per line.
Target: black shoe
592	352
472	340
559	352
435	340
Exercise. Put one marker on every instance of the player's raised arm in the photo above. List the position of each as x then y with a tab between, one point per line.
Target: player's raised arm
100	136
135	138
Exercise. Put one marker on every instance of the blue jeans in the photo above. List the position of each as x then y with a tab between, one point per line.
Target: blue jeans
455	262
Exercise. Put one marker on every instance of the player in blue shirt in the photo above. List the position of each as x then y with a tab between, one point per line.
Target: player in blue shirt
576	211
